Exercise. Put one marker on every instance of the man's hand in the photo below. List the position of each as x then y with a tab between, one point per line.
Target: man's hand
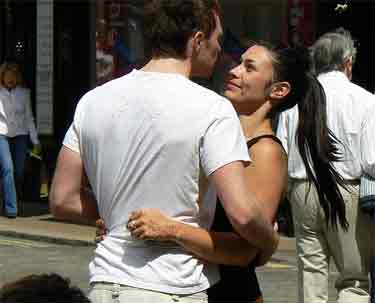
101	230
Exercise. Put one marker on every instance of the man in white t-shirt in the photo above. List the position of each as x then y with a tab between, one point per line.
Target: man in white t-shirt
142	141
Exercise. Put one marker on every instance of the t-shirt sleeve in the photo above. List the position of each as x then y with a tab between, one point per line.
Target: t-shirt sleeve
72	136
71	139
223	142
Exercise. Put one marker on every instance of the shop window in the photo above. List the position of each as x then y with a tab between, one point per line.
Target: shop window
119	39
120	44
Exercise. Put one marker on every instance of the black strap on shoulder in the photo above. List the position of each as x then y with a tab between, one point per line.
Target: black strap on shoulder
252	141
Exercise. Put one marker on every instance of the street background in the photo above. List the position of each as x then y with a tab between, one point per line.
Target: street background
35	243
20	257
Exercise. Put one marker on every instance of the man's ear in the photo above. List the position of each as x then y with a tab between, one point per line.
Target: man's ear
194	44
197	40
348	67
279	90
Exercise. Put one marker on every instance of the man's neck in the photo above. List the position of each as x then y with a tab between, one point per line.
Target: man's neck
169	65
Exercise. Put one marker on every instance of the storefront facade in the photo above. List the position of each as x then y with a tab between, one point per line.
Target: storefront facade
67	47
119	40
362	32
18	36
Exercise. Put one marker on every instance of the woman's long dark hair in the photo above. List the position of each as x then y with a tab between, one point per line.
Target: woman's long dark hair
316	143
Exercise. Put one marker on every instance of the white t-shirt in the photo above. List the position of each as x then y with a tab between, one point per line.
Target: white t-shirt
142	139
350	111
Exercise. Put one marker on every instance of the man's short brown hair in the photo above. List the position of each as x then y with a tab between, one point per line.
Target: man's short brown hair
169	24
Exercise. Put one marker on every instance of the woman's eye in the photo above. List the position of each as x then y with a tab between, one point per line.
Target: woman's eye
249	68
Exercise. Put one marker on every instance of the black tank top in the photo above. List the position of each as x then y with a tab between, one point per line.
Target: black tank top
254	140
237	284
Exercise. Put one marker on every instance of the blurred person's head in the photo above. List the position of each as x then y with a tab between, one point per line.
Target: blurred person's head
10	75
270	80
185	29
334	51
44	288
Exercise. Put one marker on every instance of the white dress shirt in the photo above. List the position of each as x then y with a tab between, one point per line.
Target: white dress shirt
350	115
16	117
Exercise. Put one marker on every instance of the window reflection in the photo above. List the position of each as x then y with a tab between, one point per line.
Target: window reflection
119	39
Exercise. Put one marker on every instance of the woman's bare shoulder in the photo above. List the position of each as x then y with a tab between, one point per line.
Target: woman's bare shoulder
268	148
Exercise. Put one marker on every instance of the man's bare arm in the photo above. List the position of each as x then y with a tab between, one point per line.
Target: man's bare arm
70	197
242	207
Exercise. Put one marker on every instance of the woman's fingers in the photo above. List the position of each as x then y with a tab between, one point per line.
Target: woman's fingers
137	233
150	224
136	214
141	231
133	224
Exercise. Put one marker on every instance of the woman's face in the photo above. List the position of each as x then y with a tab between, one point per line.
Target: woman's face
249	83
10	79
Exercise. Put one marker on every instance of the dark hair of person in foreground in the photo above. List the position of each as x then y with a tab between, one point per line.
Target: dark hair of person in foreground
44	288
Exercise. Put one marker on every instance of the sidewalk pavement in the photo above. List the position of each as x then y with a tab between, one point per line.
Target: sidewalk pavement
36	223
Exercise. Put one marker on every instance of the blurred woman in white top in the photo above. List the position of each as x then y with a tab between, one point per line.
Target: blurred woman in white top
16	125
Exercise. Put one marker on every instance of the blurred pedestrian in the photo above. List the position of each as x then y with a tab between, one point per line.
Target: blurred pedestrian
349	111
16	127
43	288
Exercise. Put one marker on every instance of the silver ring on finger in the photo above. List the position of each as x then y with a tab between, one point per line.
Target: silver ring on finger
132	225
